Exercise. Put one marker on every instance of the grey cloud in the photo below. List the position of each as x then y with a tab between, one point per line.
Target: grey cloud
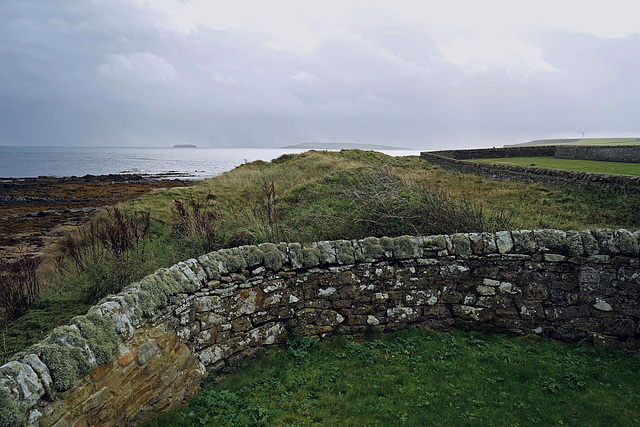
107	73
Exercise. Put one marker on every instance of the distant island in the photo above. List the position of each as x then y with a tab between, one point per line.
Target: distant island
342	146
185	146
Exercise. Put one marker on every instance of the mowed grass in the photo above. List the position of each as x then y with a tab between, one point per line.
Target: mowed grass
417	378
617	168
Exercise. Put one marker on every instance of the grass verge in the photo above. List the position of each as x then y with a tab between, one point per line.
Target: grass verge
418	378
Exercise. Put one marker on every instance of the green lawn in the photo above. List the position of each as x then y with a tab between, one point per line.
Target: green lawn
417	378
618	168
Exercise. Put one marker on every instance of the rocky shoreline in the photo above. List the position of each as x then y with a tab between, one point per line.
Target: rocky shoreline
36	211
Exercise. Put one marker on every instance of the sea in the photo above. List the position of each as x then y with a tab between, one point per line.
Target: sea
189	163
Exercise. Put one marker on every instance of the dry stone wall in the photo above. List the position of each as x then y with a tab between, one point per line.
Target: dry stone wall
451	160
620	153
149	347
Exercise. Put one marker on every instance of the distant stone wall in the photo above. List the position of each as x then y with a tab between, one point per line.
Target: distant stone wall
494	153
149	347
526	174
628	154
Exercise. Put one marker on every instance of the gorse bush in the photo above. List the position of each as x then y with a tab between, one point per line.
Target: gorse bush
109	251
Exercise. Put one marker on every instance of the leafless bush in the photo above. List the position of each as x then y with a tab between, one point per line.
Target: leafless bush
195	221
19	287
109	249
384	204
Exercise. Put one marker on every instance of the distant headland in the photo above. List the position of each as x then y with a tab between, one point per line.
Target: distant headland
185	146
342	146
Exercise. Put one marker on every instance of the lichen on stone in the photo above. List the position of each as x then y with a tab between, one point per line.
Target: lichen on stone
386	243
11	413
67	355
606	241
252	255
326	252
211	265
233	259
461	245
371	248
628	242
551	240
344	252
100	333
295	254
310	257
523	241
272	257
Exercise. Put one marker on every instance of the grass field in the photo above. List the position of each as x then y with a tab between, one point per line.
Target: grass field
416	378
618	168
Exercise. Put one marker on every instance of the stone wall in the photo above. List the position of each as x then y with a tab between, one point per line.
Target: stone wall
526	174
494	153
628	154
149	347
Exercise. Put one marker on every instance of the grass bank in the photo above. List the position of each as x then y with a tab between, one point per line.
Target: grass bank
616	168
417	378
305	197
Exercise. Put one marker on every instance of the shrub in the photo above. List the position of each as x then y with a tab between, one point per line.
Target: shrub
110	251
19	287
195	223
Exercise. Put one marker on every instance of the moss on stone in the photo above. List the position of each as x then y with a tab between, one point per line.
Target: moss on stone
551	241
67	355
434	243
252	255
233	260
606	241
386	243
310	257
628	242
295	254
371	248
100	333
344	252
11	413
210	266
272	258
326	252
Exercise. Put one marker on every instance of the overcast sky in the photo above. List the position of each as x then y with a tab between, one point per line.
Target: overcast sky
419	74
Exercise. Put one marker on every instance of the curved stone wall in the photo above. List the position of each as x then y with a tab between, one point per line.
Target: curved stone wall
150	347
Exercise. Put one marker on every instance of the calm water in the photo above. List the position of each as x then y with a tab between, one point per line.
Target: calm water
198	163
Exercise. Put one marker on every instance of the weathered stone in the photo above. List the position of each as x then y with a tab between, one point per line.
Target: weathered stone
523	241
461	245
627	242
326	252
146	351
504	242
344	252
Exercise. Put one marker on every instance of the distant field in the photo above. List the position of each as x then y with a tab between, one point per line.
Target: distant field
617	168
581	141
